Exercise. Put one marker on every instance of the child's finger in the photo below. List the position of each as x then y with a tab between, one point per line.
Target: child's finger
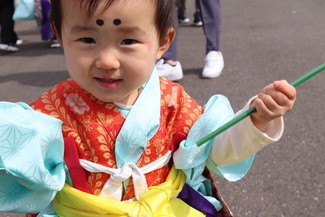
286	88
268	101
272	104
265	107
279	97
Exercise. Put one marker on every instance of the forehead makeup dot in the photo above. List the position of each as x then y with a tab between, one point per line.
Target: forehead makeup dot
117	22
100	22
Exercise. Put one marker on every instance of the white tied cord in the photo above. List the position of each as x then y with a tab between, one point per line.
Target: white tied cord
113	188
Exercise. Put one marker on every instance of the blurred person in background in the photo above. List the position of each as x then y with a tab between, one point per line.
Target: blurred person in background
169	67
181	12
42	13
197	21
9	37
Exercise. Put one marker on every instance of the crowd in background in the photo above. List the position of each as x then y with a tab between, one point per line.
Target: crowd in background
206	15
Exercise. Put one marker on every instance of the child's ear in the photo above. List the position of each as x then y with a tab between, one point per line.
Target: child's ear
166	42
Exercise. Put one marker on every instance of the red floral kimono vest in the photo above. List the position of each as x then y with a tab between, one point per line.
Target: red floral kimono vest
94	126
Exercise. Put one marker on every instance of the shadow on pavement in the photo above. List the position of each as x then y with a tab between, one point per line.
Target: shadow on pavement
44	79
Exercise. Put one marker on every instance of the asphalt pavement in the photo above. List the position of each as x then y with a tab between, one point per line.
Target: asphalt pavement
261	41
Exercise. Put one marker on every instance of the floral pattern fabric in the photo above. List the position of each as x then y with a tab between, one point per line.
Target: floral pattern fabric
94	125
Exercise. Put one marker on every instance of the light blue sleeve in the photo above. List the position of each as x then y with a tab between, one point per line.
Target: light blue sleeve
32	169
192	159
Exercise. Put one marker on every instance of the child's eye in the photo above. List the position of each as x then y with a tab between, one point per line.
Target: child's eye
87	40
128	41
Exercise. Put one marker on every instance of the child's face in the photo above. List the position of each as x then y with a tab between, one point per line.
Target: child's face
113	53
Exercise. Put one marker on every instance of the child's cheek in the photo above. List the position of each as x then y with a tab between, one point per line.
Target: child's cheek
149	45
69	43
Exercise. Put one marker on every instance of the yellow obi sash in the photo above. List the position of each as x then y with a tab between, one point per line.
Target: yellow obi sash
157	201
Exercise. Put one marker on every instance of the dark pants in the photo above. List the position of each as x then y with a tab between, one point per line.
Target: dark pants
171	53
211	18
8	35
181	5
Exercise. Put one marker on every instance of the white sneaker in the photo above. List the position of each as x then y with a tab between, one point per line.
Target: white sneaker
8	47
19	41
55	44
197	24
169	71
213	64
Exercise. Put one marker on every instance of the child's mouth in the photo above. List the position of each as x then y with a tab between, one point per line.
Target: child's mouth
108	83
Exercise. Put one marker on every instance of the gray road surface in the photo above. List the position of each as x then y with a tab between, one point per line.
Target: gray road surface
261	41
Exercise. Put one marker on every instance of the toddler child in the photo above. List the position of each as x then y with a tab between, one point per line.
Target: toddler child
118	140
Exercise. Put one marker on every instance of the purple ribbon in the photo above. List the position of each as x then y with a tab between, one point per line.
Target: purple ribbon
197	201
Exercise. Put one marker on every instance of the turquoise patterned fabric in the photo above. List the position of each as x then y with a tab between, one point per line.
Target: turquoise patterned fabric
32	169
141	124
192	159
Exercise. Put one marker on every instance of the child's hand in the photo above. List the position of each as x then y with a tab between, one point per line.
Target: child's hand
273	101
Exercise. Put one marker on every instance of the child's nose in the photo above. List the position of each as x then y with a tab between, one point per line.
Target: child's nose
107	59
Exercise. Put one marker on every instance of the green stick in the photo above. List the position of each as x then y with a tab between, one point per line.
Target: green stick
253	109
